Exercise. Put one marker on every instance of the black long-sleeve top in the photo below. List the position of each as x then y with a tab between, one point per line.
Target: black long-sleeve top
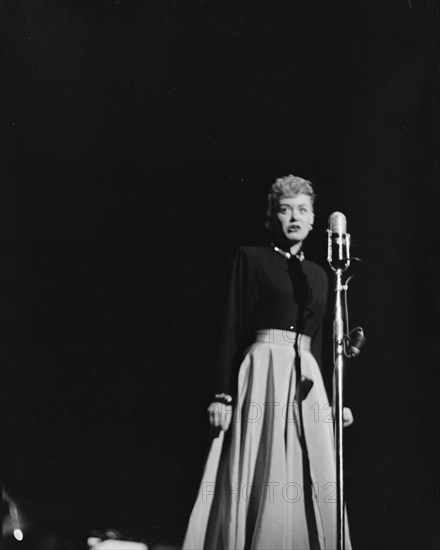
267	290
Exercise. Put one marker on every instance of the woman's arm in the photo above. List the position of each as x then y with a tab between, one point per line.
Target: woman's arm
242	298
241	301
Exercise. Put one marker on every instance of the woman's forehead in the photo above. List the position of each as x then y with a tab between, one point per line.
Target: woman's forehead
297	200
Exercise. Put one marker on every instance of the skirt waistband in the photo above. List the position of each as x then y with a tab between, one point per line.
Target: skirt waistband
283	337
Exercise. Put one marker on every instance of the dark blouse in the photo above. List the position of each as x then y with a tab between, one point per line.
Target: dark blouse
267	290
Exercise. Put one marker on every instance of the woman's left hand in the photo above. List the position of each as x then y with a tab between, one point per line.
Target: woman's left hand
347	417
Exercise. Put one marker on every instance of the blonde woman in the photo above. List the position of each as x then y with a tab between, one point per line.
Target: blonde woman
269	481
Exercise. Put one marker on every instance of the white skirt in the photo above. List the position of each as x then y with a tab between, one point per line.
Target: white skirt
270	482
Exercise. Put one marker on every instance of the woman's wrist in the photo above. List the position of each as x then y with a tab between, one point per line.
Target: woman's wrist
224	398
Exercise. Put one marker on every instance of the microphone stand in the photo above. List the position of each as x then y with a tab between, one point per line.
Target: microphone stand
339	266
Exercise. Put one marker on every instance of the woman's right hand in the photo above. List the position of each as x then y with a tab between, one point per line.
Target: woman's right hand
220	415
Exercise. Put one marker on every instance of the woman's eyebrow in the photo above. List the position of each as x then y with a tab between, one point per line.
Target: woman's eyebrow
303	205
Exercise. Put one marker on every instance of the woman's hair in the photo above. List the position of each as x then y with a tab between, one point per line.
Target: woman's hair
288	186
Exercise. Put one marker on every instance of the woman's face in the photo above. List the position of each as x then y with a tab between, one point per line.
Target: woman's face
296	217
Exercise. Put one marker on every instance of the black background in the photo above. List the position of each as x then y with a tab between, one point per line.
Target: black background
139	142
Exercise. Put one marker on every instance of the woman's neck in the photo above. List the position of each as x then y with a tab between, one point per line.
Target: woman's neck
294	249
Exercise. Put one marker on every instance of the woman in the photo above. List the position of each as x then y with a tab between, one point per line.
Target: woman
269	481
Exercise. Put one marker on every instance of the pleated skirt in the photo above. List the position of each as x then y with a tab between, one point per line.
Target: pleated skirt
269	482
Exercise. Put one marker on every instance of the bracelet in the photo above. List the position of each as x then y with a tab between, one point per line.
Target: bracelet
224	398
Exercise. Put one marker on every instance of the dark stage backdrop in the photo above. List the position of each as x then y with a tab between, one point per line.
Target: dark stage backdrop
139	142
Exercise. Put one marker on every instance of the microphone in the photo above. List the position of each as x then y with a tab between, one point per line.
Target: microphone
338	255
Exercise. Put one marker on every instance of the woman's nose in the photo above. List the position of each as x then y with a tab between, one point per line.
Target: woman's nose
294	214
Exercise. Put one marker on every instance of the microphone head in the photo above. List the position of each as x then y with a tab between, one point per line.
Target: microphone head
337	223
